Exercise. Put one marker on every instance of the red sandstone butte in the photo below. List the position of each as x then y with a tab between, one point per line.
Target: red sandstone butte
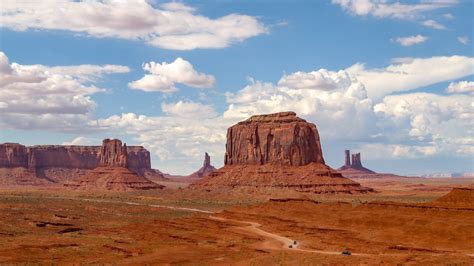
354	169
277	151
355	166
58	163
281	138
13	155
112	173
113	153
206	168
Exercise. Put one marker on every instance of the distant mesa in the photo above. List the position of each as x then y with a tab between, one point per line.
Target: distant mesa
355	165
56	164
206	168
353	168
112	173
276	151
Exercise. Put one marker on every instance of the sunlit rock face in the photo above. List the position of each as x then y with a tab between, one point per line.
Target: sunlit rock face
280	138
276	153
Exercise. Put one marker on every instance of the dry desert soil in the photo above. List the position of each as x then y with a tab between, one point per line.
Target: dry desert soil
406	221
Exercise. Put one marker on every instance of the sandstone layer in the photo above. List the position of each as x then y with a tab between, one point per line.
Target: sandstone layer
313	178
113	153
20	176
112	178
277	151
58	163
112	174
281	139
206	168
459	197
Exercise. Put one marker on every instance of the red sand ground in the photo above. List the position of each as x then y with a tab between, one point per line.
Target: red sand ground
51	225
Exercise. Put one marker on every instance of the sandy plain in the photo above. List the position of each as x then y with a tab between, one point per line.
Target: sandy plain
401	223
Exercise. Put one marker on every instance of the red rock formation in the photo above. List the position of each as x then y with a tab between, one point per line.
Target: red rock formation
280	138
58	163
20	176
112	153
356	163
355	169
13	155
459	197
206	168
139	160
58	156
112	173
347	161
277	151
112	178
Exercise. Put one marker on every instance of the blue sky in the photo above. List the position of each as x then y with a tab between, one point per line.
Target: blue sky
398	113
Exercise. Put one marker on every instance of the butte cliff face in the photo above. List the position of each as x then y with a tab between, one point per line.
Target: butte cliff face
113	153
281	139
113	172
206	168
57	163
13	155
276	151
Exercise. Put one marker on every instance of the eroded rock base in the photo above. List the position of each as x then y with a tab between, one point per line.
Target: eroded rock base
112	178
314	177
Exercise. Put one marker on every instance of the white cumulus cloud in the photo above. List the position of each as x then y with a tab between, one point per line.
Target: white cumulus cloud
391	9
461	87
411	40
316	80
171	26
428	122
411	73
84	141
463	39
433	24
448	16
38	96
163	77
400	126
188	109
332	101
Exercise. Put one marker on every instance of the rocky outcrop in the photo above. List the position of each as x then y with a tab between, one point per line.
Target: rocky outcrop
20	176
355	169
58	163
113	153
347	161
356	163
276	151
111	178
458	196
58	156
112	173
139	160
206	168
281	138
13	155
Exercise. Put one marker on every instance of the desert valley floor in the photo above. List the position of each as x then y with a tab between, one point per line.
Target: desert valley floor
407	220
